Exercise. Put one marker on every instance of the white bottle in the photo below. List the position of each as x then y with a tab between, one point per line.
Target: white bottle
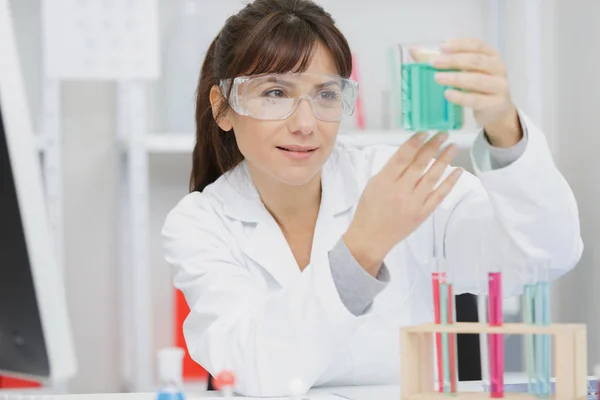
170	374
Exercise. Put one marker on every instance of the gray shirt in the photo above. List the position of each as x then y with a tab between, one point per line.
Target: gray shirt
356	288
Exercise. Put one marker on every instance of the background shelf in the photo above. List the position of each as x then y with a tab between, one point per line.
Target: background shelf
183	143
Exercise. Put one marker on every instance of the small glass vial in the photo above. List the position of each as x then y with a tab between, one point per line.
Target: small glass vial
170	371
225	382
595	390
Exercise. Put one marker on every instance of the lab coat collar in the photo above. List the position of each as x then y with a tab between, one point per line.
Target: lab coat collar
338	181
266	244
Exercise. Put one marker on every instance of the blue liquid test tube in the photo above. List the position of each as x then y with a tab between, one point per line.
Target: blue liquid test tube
543	347
447	316
529	319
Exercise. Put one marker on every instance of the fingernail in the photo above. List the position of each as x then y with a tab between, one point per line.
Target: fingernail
450	94
441	77
459	173
421	137
441	137
439	61
452	150
446	46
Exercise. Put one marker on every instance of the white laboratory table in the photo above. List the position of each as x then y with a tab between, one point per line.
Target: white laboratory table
384	392
328	393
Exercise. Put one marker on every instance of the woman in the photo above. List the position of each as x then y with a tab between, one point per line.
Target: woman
299	255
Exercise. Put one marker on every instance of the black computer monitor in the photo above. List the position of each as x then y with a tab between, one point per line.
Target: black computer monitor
35	336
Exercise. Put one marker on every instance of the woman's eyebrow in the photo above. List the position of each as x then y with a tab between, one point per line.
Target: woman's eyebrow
283	82
334	82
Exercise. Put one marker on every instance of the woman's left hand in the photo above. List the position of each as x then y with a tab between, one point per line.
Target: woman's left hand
482	79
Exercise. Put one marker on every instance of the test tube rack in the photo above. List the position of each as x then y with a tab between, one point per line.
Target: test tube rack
416	357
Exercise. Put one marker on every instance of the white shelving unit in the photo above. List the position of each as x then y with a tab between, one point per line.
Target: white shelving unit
118	44
50	146
134	283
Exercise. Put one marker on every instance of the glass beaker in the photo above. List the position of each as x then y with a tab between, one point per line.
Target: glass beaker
424	107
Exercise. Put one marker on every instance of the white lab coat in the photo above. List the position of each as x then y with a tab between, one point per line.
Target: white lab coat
254	312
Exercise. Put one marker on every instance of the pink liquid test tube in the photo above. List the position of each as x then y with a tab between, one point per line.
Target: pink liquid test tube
436	279
444	308
496	341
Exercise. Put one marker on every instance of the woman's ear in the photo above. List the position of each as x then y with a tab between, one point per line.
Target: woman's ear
216	101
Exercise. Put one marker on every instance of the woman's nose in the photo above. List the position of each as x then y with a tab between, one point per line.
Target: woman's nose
303	119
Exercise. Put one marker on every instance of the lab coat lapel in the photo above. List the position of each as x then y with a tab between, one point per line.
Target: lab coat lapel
264	242
339	194
268	247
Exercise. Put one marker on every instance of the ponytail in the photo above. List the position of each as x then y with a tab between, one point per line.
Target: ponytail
215	151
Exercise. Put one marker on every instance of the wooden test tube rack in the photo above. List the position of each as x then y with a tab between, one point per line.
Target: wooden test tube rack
417	347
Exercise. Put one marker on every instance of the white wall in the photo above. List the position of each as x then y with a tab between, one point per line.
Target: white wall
91	156
570	103
578	57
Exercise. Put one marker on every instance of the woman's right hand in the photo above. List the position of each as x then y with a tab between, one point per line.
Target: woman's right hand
399	198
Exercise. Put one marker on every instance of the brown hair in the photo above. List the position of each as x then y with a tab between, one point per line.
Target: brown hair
274	36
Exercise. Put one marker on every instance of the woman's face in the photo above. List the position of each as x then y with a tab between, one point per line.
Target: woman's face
290	151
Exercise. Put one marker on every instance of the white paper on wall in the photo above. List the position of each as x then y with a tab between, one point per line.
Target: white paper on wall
100	39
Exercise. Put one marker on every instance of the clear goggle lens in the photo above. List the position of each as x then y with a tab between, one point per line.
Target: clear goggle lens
276	96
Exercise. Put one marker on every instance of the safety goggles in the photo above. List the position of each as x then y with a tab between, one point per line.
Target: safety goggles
276	96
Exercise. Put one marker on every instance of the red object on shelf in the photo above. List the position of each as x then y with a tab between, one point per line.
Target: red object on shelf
13	383
359	112
191	370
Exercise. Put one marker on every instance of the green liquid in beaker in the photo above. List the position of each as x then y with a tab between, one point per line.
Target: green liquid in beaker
424	106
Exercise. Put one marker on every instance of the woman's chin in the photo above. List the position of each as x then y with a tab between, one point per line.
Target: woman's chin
295	176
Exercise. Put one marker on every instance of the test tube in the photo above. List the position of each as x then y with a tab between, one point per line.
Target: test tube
496	341
481	270
444	307
436	278
450	377
596	387
483	340
543	349
529	319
